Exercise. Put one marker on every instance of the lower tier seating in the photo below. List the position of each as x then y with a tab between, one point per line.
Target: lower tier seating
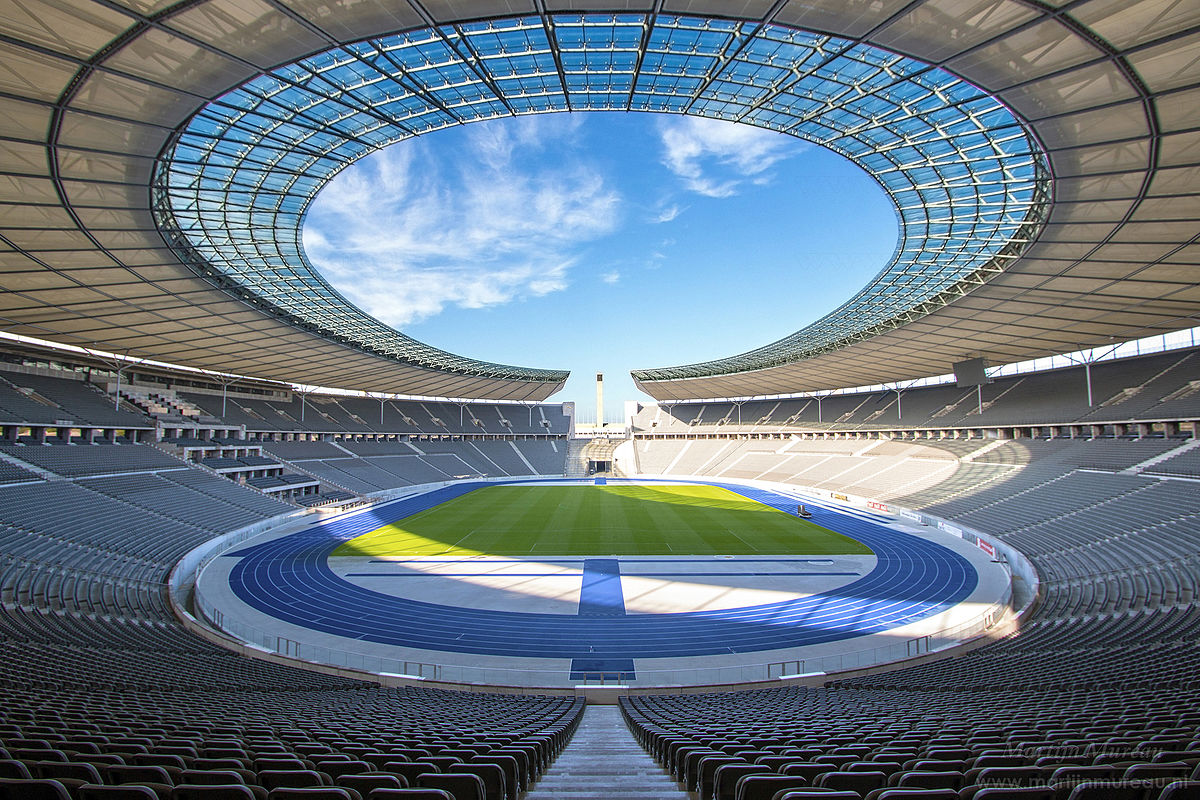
96	671
951	744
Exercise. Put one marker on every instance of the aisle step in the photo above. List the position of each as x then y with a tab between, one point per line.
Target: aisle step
604	761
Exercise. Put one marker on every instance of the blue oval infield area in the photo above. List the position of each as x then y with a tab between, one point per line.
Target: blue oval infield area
290	578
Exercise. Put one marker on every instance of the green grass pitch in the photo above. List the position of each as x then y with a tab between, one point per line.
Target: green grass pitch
601	520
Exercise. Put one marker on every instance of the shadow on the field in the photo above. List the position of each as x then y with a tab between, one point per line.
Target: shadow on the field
699	496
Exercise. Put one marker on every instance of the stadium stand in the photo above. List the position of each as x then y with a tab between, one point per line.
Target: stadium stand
51	404
1140	741
96	668
33	398
363	416
14	473
76	460
298	451
373	465
1048	497
165	406
1102	674
207	717
18	407
1185	464
234	412
1108	517
1046	186
103	686
546	456
225	491
1160	387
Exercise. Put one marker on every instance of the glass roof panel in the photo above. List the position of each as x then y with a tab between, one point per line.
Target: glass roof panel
969	182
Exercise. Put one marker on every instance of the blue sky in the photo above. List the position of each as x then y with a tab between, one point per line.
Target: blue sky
600	242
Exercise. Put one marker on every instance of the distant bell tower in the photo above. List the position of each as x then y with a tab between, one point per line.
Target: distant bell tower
599	398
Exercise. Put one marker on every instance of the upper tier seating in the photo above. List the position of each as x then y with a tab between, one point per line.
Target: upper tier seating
361	415
57	399
1161	386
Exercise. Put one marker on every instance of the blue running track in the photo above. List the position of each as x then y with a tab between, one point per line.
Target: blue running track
290	579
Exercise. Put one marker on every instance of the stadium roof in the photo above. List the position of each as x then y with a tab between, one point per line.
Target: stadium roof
158	159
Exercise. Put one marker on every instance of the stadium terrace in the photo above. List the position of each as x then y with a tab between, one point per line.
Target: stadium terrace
425	580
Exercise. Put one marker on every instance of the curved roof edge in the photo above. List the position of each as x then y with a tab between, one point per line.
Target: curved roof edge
359	330
1113	261
967	181
1110	90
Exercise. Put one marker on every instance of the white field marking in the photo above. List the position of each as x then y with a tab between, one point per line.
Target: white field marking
743	541
646	594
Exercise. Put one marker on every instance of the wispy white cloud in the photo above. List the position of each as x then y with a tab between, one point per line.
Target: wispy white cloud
668	213
404	234
498	142
713	157
613	276
658	255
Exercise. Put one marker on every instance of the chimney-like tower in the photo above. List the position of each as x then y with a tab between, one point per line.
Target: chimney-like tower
599	398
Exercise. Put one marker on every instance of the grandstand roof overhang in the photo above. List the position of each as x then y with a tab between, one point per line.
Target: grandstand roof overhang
102	99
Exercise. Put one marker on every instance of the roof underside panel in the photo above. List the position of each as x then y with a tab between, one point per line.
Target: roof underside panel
1104	98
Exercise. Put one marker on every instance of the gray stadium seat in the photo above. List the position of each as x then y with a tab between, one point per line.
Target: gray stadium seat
765	787
1008	793
106	792
463	786
1181	790
229	791
32	789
